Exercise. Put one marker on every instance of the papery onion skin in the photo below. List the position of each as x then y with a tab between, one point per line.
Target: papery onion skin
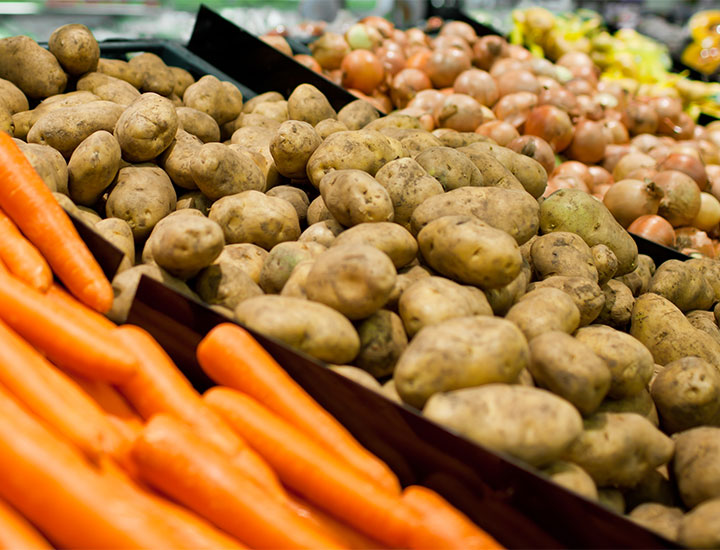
689	165
588	143
629	199
536	148
478	84
708	216
654	228
362	70
551	124
681	202
499	131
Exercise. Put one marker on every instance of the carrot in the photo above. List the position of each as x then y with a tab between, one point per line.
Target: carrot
233	358
84	348
53	486
158	386
16	533
21	257
178	462
315	473
76	310
55	398
108	398
443	527
29	203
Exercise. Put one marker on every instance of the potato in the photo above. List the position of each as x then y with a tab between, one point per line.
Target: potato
292	146
575	211
276	110
93	167
118	233
12	98
654	487
494	174
362	150
705	321
638	280
450	167
406	277
297	197
68	205
432	300
391	238
358	376
156	75
318	212
262	98
544	310
6	123
90	216
502	299
619	449
414	141
323	232
687	394
263	160
395	120
194	200
146	128
31	67
296	285
357	114
389	391
382	342
120	69
311	327
514	212
453	138
572	477
60	101
470	251
569	368
618	306
710	269
252	217
697	464
219	171
356	280
329	126
178	158
683	285
665	331
308	104
253	137
108	88
612	499
528	423
562	253
700	528
182	79
586	294
630	363
248	257
225	284
354	197
663	520
49	164
199	124
142	197
605	262
641	403
64	129
408	185
220	100
281	261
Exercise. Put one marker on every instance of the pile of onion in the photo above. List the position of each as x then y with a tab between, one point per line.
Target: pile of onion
681	202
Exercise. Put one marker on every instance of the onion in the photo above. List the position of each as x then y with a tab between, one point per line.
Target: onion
488	49
615	131
708	216
684	127
362	70
713	174
574	169
551	124
642	174
600	176
689	239
709	152
416	36
631	162
589	108
640	118
335	76
645	142
506	65
487	113
614	89
444	66
515	108
654	228
405	86
308	61
668	110
547	83
499	131
629	199
564	182
460	29
600	189
363	37
382	25
560	98
427	100
579	86
536	148
588	74
478	84
459	112
393	61
451	41
681	202
517	81
575	59
329	50
419	59
277	42
516	51
687	164
613	154
540	66
588	142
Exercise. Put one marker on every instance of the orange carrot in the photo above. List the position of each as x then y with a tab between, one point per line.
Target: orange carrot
159	387
76	310
177	461
84	348
21	257
233	358
443	527
108	398
29	203
52	485
16	533
315	473
55	398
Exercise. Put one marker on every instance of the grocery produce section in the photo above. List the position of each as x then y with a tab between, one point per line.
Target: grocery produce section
415	288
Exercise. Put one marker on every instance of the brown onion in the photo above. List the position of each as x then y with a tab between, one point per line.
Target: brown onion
589	108
427	100
277	42
488	49
629	199
459	112
579	86
518	52
512	82
684	128
405	86
600	189
614	89
709	152
487	113
615	131
308	61
681	202
654	228
416	36
631	162
600	176
644	173
613	154
588	142
588	74
451	41
506	65
551	124
645	142
575	169
535	148
575	59
419	59
668	110
363	37
329	50
659	153
515	108
393	61
708	216
564	182
691	239
687	164
713	174
640	118
460	29
362	70
540	66
499	131
547	83
560	98
334	76
478	84
444	66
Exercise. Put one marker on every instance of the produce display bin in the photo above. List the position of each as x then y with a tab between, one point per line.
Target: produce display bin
504	497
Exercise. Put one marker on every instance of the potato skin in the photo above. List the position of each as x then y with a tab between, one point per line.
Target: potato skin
354	197
251	103
120	69
391	238
503	298
357	114
281	261
697	464
638	280
618	306
329	126
308	104
657	517
313	328
292	146
528	423
295	196
586	294
683	285
572	477
75	48
49	164
12	98
156	75
358	376
220	171
183	245
146	128
199	124
450	167
92	167
108	88
605	262
31	67
544	310
220	100
562	253
459	353
248	257
296	285
118	233
382	342
181	79
700	528
323	232
226	284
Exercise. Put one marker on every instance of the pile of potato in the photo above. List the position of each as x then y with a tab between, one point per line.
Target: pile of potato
424	265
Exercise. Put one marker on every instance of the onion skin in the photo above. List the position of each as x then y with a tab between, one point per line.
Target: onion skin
512	82
461	29
427	100
654	228
631	162
573	168
419	59
535	148
564	182
478	84
588	143
329	50
713	173
405	86
560	98
393	61
551	124
708	216
277	42
600	176
689	165
575	59
499	131
615	131
690	239
681	202
629	199
447	41
615	152
308	61
459	112
488	49
640	118
505	65
362	70
579	86
515	108
444	66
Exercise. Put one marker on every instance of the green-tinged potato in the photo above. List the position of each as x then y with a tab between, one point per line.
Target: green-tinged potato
357	114
406	277
700	528
391	238
93	167
146	128
31	67
641	403
710	269
382	342
64	129
470	251
514	212
528	423
638	280
612	499
225	284
49	164
313	328
705	321
697	464
220	171
178	158
455	139
683	285
194	200
572	477
329	126
142	197
297	197
12	98
276	110
661	519
156	75
562	253
408	185
576	211
308	104
292	146
665	331
118	233
450	167
630	362
318	212
199	124
432	300
618	306
619	449
281	261
182	79
354	197
544	310
108	88
493	173
687	394
356	280
460	353
250	104
605	262
357	375
252	217
296	285
248	257
120	69
503	298
654	487
221	100
569	368
322	232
